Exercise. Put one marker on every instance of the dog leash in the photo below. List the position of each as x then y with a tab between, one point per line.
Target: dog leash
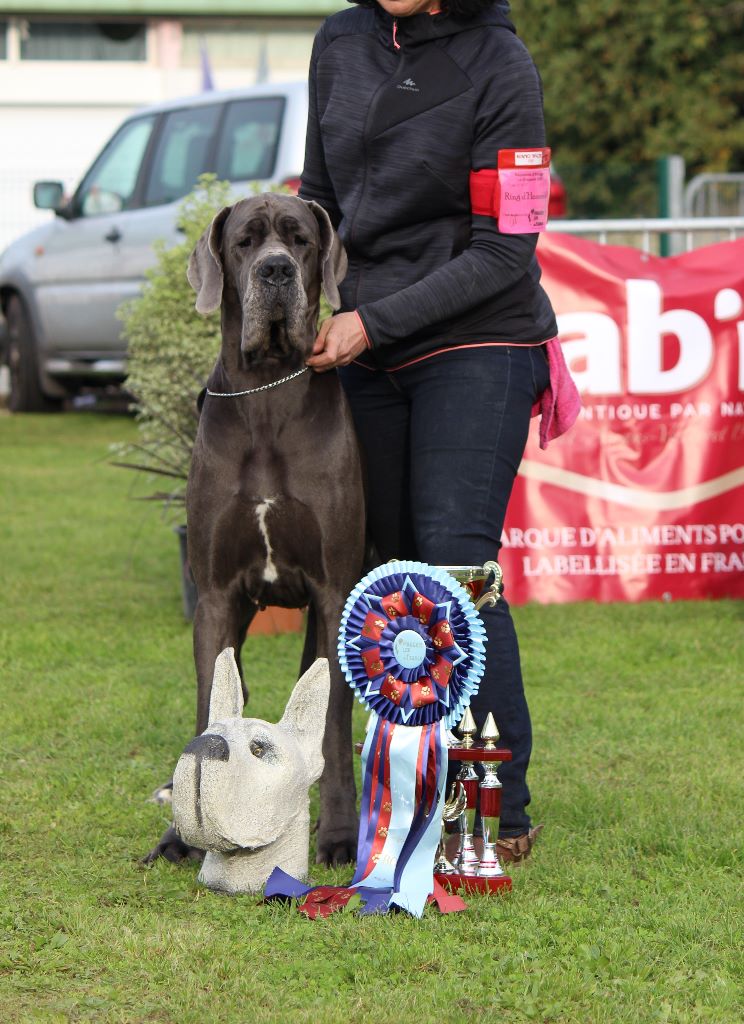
252	391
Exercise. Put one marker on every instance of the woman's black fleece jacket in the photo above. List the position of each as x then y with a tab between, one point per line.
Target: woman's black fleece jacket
393	133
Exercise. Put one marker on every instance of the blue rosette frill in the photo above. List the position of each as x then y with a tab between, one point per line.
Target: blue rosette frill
411	644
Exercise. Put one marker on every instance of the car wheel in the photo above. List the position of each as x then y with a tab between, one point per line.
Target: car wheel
23	362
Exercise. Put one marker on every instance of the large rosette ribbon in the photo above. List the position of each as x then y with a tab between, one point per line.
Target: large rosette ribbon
412	647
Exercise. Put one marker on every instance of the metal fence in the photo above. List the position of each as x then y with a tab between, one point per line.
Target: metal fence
656	235
715	195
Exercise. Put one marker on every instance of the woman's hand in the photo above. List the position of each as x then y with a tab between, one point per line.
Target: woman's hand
340	340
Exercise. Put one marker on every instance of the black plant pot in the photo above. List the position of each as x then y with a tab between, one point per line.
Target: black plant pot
188	587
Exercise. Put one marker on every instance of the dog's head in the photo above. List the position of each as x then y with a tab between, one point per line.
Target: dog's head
273	252
242	782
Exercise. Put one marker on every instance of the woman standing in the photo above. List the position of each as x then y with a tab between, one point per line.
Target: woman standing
440	343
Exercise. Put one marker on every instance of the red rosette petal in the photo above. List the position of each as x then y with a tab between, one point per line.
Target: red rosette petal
422	692
421	608
373	626
372	662
441	635
393	688
441	670
395	605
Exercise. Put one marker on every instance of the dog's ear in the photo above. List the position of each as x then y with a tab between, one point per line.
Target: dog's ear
205	272
226	700
333	261
305	715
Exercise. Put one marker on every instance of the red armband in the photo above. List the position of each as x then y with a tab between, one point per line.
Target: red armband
484	192
517	194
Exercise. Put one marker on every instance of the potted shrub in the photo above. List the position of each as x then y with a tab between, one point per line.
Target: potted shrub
171	351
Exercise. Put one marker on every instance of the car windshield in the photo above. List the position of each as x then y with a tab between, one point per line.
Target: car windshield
110	184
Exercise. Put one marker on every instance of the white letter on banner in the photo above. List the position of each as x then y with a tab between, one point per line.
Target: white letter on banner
598	345
646	327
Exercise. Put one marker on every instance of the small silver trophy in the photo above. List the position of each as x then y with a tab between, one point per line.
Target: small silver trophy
489	866
490	785
467	859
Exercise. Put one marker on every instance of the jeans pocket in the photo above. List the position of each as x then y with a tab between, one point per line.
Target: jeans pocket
540	368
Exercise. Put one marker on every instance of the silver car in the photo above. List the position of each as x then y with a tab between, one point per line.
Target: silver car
60	284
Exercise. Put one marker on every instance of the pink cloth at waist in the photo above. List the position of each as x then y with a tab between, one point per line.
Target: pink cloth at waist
559	404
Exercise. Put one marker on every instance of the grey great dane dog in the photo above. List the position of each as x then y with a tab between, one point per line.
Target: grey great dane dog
275	504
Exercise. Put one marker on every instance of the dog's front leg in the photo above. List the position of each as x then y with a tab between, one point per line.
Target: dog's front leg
338	822
220	621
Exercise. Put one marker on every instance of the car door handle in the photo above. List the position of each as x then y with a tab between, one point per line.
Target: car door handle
114	235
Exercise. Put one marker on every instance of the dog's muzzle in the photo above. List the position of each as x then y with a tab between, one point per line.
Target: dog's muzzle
277	271
274	307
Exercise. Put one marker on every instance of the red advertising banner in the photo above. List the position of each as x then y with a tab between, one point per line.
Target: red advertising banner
644	496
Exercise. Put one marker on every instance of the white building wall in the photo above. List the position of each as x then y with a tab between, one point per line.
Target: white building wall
55	116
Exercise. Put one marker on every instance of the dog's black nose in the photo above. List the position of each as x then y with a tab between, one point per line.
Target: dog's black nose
277	270
209	748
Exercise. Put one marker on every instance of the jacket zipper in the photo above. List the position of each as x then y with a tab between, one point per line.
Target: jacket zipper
365	135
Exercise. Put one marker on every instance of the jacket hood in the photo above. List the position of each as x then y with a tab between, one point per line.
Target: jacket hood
420	28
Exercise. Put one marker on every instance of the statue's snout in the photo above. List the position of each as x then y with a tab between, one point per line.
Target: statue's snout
209	747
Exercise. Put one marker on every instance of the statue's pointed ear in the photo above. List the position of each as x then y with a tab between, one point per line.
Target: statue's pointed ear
333	261
305	715
226	700
205	273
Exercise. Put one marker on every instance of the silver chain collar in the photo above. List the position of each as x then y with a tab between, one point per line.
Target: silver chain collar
253	391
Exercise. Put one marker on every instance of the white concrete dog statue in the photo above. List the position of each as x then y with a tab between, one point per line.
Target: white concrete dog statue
240	789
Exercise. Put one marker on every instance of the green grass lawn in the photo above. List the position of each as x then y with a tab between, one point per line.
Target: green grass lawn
632	909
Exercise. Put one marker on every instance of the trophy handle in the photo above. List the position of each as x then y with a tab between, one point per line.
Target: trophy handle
491	594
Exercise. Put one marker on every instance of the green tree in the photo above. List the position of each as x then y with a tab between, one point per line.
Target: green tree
628	82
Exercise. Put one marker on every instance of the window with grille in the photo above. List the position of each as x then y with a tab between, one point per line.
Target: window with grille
72	40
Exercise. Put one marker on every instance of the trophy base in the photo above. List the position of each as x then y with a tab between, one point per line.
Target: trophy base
474	883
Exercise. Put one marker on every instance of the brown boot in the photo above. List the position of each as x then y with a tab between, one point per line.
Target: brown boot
515	849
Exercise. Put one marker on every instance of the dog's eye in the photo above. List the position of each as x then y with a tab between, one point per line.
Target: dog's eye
257	748
299	240
246	243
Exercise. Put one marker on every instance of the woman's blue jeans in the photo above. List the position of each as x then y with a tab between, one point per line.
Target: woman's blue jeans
443	440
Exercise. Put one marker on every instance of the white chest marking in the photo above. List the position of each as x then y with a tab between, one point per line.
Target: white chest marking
270	574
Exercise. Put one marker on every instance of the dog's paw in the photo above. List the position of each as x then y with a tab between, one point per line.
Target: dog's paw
171	847
336	849
162	795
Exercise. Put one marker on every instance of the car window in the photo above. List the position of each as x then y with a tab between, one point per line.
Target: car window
250	139
110	184
182	153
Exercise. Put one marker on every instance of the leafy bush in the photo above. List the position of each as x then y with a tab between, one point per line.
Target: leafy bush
171	350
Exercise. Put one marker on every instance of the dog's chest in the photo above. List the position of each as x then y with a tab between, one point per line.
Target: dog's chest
274	544
262	510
